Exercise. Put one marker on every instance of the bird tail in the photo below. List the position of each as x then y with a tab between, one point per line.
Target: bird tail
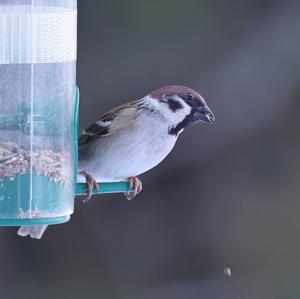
34	231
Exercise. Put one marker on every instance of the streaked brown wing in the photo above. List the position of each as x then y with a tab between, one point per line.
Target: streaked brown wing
102	127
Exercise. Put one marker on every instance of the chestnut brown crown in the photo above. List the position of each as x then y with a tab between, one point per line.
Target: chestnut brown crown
161	93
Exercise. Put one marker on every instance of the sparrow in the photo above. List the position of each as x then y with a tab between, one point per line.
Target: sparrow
133	138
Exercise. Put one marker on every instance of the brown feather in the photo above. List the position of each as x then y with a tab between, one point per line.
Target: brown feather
160	93
99	129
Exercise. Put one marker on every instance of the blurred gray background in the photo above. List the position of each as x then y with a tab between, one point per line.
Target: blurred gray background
227	195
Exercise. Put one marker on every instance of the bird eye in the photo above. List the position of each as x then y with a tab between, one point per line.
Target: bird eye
189	97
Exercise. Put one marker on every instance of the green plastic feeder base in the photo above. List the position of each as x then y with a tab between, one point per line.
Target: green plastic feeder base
38	221
46	206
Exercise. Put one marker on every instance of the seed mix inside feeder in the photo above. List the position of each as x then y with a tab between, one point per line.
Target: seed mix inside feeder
16	160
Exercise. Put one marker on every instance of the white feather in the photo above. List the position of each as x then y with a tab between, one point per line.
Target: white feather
34	231
102	123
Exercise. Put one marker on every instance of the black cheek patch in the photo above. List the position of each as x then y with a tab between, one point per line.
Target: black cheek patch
174	105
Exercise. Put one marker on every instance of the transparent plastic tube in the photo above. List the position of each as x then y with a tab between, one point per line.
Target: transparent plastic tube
37	92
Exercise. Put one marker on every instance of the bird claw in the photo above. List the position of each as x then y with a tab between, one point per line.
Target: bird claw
137	186
91	184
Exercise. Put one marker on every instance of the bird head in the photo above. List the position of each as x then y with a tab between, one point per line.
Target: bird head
181	106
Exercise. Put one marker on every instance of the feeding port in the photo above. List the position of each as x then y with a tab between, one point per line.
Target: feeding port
37	100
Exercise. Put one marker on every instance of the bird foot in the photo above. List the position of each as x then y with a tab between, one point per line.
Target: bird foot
137	186
91	184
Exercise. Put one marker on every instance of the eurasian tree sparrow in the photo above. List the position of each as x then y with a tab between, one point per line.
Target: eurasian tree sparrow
133	138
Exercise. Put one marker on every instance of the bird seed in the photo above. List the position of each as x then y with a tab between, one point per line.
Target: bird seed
16	160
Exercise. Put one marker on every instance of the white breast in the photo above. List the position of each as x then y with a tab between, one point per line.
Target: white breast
128	152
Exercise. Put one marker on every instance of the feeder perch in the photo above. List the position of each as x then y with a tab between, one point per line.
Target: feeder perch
39	113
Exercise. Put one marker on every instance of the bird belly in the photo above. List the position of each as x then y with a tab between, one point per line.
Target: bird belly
119	157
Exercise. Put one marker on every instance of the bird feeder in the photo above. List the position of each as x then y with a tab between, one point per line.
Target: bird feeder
39	113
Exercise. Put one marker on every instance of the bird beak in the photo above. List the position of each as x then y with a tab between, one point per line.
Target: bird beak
204	114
